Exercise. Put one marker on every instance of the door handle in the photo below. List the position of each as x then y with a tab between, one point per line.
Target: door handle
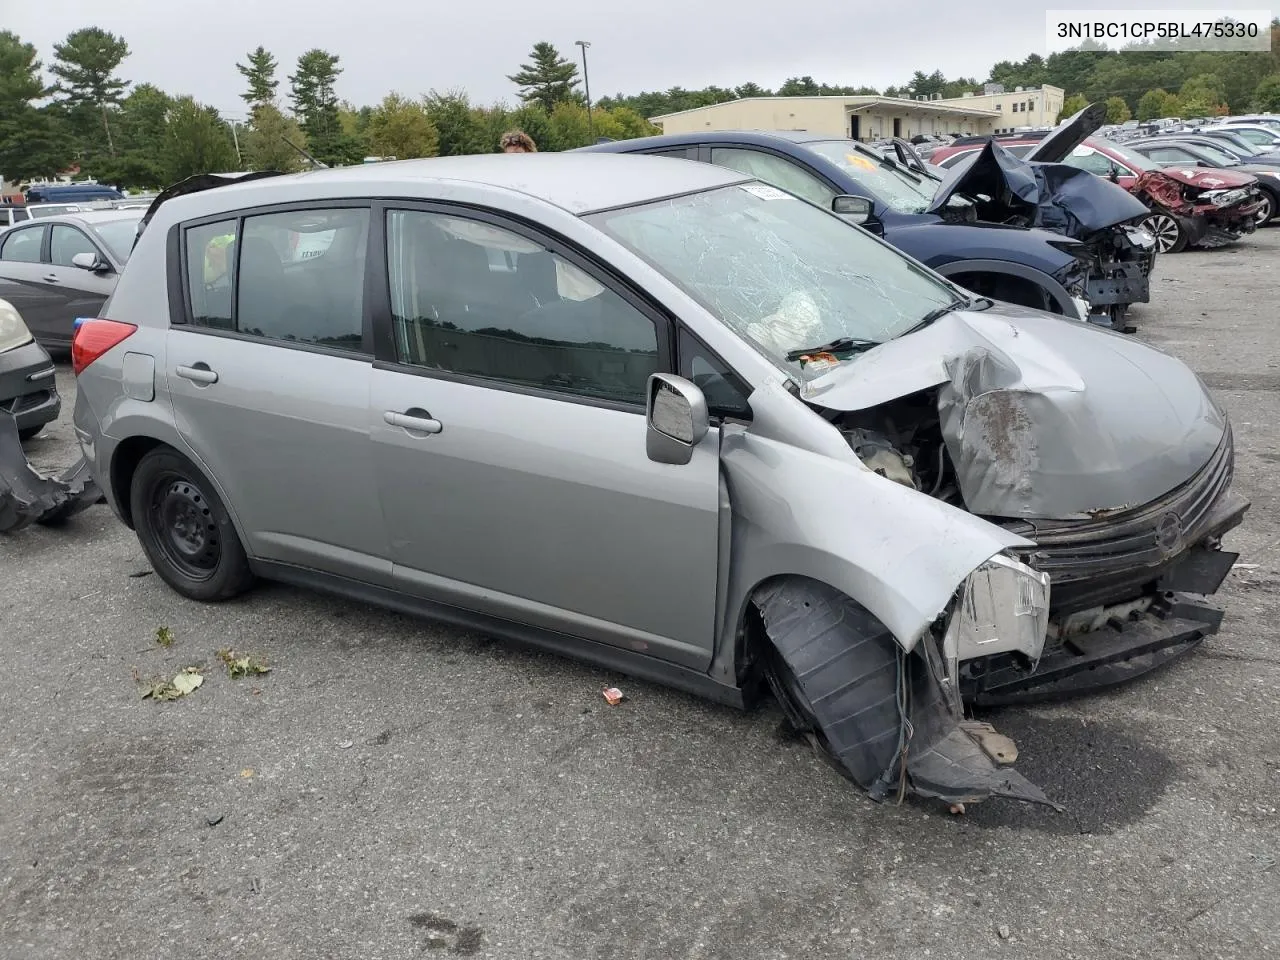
413	419
50	278
200	373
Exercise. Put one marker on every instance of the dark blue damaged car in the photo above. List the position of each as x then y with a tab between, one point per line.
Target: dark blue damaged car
991	243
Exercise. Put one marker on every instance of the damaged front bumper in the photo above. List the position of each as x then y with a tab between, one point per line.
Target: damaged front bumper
27	496
1113	273
1130	592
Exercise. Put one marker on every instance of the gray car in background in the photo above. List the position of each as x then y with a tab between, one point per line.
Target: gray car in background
667	418
60	268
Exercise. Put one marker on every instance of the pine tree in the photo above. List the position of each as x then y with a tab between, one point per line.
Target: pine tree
548	80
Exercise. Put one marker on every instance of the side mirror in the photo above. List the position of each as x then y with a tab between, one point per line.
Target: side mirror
91	262
857	209
677	416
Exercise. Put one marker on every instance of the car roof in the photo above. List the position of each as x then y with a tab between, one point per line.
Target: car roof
576	182
90	217
762	137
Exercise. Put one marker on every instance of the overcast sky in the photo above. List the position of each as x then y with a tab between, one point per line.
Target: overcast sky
413	47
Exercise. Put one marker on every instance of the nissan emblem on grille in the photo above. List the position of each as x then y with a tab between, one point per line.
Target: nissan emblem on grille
1169	534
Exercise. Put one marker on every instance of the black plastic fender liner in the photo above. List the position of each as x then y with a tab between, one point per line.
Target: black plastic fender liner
840	674
28	497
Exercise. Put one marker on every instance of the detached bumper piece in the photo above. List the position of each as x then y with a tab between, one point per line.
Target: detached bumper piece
28	497
882	716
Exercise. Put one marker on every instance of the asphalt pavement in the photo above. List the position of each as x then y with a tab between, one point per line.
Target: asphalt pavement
393	788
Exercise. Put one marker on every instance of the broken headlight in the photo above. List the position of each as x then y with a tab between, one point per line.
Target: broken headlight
1003	608
13	332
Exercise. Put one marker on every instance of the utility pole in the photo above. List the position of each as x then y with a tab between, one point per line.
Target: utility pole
586	81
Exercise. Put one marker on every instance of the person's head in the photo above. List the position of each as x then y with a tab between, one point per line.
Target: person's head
517	141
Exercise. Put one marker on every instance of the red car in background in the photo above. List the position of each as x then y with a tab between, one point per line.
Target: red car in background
1190	206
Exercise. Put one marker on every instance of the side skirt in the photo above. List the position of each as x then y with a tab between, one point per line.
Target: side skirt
598	654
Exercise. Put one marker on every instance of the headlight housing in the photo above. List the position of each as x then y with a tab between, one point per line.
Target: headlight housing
1003	608
13	331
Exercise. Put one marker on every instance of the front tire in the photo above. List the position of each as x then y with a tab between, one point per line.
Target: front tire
185	530
1268	211
1170	237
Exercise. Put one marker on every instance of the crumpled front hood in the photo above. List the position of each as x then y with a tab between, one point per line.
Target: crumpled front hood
1054	196
1043	418
1208	179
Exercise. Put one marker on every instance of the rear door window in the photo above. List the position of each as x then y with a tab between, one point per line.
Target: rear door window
293	277
22	245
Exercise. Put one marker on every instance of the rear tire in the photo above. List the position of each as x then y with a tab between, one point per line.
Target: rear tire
185	530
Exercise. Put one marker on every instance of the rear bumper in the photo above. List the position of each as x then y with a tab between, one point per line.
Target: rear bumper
28	388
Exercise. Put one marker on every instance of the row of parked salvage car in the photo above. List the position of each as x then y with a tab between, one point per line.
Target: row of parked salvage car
664	416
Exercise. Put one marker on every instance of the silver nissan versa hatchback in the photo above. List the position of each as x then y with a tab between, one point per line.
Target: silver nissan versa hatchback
667	418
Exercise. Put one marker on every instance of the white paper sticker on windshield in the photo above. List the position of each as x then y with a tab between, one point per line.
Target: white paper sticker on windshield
766	192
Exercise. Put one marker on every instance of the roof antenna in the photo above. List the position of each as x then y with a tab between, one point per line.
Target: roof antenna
315	164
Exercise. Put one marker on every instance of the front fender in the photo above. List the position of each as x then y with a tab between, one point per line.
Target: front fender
813	509
1056	291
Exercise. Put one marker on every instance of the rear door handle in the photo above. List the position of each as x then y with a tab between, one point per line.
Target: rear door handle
200	373
50	278
413	419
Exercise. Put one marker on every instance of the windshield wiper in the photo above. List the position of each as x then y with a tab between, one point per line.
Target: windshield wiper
977	303
841	345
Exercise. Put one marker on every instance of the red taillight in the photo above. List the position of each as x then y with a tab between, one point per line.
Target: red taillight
93	338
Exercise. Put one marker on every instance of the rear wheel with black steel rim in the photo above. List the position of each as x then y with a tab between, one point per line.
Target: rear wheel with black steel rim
1170	237
184	529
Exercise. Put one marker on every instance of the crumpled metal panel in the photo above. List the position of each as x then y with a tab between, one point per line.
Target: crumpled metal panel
1039	415
28	497
1052	196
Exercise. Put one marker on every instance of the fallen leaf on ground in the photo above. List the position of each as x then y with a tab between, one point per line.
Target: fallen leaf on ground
164	637
160	688
242	666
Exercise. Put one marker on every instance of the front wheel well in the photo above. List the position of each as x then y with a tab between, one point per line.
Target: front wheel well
1007	287
124	462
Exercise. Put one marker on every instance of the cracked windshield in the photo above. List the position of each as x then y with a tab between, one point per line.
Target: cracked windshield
781	272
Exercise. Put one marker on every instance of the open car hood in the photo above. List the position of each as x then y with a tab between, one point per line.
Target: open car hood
1043	418
1069	134
1053	196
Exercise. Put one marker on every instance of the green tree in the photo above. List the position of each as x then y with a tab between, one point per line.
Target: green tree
1266	96
266	145
315	102
142	127
85	65
1072	105
631	124
799	87
259	73
401	128
549	79
1117	110
1205	91
31	145
197	140
458	128
1158	103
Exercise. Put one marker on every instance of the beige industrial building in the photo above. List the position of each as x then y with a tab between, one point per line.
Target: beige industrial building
874	118
1019	107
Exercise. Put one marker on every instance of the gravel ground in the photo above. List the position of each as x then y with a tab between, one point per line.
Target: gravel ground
396	789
